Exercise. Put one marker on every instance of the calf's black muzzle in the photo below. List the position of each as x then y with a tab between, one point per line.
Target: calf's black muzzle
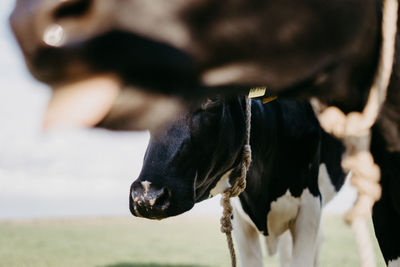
149	201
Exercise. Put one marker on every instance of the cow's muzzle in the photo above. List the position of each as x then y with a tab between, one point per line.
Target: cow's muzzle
149	201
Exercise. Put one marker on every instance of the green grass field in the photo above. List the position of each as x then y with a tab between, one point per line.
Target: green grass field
131	242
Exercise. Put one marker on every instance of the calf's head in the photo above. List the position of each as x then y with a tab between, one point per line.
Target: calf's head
186	161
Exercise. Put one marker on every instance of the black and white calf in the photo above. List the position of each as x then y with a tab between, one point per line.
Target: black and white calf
199	156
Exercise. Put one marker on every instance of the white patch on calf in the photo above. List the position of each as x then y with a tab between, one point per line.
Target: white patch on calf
222	185
301	215
146	186
283	211
394	263
326	187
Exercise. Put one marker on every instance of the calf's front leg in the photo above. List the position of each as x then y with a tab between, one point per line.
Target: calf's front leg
305	230
246	237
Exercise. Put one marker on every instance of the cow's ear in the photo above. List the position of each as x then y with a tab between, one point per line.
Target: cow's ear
210	103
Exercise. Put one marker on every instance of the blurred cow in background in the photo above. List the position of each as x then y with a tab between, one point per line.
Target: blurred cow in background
192	48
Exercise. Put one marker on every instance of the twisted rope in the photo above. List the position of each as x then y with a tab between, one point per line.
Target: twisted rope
238	187
355	132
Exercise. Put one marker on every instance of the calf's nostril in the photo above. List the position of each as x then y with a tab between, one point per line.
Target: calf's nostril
72	9
162	199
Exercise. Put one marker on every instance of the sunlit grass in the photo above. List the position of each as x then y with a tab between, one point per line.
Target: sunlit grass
132	242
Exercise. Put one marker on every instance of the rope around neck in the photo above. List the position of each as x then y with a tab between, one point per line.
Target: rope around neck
354	130
238	187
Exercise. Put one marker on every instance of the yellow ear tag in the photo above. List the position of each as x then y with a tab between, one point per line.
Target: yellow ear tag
257	92
269	99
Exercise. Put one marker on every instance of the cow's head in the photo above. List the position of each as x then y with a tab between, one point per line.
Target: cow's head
184	163
194	47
